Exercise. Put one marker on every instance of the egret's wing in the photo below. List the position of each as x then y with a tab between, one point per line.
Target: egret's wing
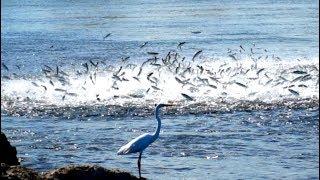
124	149
136	145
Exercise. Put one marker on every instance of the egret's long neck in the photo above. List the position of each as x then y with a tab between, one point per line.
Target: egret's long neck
156	134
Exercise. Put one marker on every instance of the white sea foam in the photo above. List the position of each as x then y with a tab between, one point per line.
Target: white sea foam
244	80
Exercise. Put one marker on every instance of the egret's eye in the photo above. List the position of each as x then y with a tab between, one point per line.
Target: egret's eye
155	105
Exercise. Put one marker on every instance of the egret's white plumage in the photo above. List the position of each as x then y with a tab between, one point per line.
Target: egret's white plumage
137	145
143	141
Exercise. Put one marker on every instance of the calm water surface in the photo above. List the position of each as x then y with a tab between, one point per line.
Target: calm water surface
75	29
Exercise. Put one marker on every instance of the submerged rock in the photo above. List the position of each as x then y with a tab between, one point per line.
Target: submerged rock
81	172
87	172
18	172
8	153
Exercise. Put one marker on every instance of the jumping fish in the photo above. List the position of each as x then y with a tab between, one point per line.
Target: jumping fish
179	80
242	48
86	66
45	71
136	78
196	54
118	71
144	44
268	82
302	85
125	58
63	73
5	67
187	97
180	44
116	77
57	70
260	70
201	69
140	70
71	94
106	36
93	64
153	53
156	64
35	84
233	57
299	72
215	79
45	88
150	74
60	90
156	88
195	32
240	84
294	92
213	86
51	82
306	77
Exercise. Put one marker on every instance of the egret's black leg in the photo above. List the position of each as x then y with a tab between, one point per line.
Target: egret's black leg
139	164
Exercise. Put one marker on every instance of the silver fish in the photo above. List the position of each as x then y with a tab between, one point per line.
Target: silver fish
187	97
196	54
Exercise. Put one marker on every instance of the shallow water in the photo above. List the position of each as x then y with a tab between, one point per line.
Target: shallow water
68	96
280	143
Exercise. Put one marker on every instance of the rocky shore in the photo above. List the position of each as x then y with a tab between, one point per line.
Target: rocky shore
10	168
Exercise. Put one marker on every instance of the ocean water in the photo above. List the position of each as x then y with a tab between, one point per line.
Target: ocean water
245	86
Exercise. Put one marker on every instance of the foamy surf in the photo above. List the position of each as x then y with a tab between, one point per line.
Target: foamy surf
204	85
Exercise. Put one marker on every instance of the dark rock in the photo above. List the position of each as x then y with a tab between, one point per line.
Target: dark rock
8	156
8	153
85	172
17	173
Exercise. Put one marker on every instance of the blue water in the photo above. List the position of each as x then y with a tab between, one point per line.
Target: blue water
281	144
289	29
253	112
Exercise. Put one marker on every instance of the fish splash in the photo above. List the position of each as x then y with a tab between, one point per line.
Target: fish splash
196	85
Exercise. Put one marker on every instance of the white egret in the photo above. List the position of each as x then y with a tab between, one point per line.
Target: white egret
143	141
